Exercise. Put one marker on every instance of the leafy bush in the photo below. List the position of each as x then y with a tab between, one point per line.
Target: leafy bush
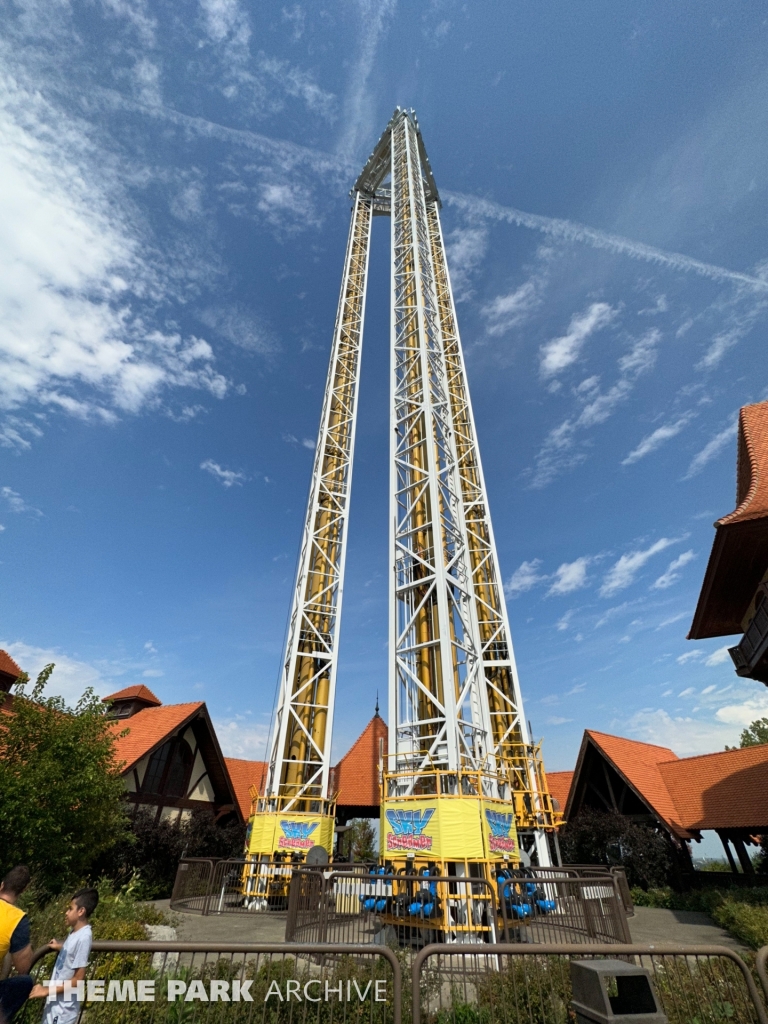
152	849
119	916
596	837
62	795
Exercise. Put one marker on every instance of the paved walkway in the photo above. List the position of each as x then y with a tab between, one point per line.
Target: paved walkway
649	925
686	927
247	927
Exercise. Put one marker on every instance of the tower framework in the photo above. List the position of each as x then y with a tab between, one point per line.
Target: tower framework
461	781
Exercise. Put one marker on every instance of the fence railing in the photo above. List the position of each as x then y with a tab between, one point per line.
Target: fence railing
519	985
198	983
203	983
415	910
207	885
760	968
589	871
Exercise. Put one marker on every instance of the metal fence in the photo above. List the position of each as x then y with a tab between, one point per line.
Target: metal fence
761	970
203	983
233	886
206	885
519	985
414	910
589	871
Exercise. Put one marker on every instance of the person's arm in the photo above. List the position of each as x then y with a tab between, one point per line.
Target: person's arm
41	991
21	950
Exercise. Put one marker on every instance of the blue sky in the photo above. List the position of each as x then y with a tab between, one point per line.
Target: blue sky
173	216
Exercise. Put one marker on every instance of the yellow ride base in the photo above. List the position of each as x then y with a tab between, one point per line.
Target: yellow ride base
448	830
288	833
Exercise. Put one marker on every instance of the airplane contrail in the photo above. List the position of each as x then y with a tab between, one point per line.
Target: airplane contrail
570	231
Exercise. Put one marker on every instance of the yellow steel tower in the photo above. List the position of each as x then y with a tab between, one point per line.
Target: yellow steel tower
462	786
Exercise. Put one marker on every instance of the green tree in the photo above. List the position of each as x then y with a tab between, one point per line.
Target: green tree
755	733
63	799
360	841
603	837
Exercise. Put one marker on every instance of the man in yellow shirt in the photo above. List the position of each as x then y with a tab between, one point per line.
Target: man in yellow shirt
14	939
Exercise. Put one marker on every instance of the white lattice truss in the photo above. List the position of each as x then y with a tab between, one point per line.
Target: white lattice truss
454	697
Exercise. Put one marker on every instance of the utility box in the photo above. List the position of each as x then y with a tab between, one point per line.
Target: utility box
613	992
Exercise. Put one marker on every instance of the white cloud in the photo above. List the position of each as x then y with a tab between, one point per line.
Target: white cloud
708	689
712	449
238	737
559	353
524	578
743	714
687	692
558	720
564	622
16	503
570	576
558	452
672	575
718	657
656	439
152	673
70	677
623	572
683	735
225	20
569	231
228	477
72	271
672	619
693	655
465	248
508	311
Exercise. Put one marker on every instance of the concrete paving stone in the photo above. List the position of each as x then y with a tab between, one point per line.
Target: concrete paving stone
686	927
246	927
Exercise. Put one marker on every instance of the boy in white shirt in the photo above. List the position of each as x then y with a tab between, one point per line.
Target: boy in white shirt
71	961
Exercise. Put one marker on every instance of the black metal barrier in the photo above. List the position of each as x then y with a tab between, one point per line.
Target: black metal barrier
202	983
415	910
760	967
205	885
513	984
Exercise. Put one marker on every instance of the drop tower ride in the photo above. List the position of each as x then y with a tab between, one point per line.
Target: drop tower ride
462	785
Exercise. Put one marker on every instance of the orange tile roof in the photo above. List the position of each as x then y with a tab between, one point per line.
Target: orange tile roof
139	691
752	466
724	790
8	665
560	786
148	728
728	789
639	764
357	773
245	774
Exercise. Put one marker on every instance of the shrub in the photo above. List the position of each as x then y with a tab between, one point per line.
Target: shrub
152	849
596	837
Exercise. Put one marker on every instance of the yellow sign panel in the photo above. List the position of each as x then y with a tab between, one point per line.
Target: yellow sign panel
499	831
448	829
290	833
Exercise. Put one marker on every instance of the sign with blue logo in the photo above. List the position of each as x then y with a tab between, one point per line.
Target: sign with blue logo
296	835
408	829
502	834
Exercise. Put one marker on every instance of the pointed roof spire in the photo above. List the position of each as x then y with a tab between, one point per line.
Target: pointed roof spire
376	714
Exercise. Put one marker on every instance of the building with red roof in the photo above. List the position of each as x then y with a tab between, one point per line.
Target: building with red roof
725	792
9	672
170	757
355	778
734	594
